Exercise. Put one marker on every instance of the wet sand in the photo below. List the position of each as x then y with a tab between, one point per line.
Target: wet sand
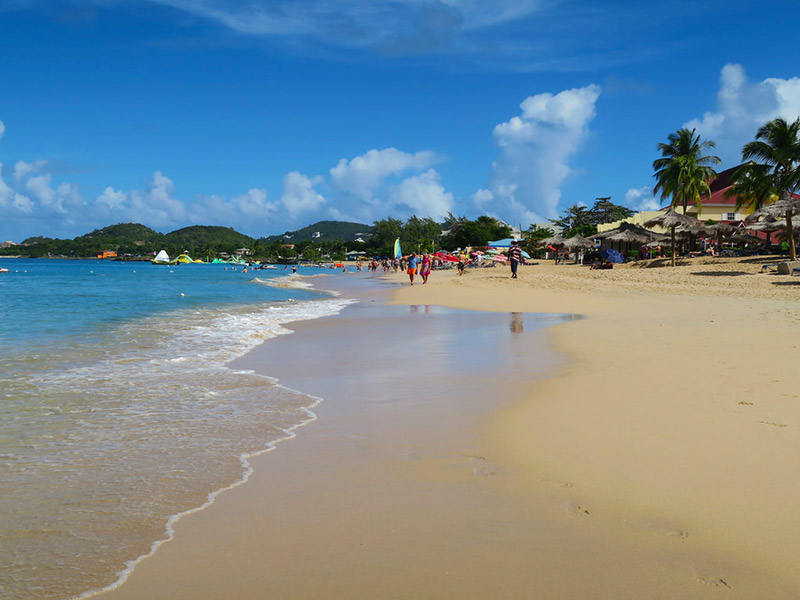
650	454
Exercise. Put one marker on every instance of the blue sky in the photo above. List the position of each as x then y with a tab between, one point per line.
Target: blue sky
266	116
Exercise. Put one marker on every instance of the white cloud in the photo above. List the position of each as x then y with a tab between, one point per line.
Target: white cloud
254	203
12	203
156	206
743	107
2	129
535	148
112	199
299	195
23	169
361	176
356	23
423	195
641	199
64	199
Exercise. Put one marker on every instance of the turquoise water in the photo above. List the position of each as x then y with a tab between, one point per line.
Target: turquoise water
117	409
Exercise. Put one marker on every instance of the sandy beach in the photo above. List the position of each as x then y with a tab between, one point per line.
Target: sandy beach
646	450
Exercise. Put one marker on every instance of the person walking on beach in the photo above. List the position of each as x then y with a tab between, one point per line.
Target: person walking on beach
514	257
412	267
425	267
462	262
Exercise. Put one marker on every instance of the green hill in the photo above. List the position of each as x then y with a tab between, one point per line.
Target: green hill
205	239
122	234
327	230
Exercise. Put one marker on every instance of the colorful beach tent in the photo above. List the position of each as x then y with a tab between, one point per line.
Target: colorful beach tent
162	258
398	253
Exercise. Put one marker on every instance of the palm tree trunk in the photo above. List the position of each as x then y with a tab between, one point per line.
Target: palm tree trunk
790	233
672	230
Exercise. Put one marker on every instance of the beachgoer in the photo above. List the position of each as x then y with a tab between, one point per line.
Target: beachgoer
425	267
294	269
412	267
514	258
462	262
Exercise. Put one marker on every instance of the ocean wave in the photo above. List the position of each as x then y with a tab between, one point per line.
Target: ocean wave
138	425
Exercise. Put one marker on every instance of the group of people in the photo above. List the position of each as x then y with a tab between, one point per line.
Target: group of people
421	264
418	264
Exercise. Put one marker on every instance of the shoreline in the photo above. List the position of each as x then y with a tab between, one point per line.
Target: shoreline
576	501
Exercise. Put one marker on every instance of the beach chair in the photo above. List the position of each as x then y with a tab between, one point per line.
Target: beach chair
773	266
795	271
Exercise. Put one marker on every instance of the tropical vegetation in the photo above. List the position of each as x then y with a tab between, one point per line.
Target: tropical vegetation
579	219
772	173
683	173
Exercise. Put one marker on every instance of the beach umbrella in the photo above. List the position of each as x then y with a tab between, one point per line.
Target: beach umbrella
745	238
556	240
612	255
768	227
671	220
578	241
784	208
631	237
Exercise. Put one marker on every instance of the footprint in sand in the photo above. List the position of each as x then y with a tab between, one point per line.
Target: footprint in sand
576	509
668	530
714	582
682	535
773	424
557	482
481	466
745	403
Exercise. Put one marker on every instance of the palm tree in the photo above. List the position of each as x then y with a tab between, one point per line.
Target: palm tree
777	174
682	171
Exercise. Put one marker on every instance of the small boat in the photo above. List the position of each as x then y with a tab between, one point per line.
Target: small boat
2	270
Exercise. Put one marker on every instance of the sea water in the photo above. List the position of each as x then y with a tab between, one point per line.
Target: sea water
118	412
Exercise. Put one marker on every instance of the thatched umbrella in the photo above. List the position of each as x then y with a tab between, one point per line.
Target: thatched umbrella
768	227
745	238
784	208
556	240
631	237
670	220
624	227
578	241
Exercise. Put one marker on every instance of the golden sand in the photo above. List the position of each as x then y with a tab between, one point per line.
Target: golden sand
659	461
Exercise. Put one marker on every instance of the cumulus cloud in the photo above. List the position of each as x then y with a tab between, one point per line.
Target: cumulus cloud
24	169
641	199
744	106
2	129
369	187
299	195
361	176
423	195
535	149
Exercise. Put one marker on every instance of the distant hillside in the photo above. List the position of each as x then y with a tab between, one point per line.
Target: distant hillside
124	234
135	240
199	237
327	230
